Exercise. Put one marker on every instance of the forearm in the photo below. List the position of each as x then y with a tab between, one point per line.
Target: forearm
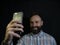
6	42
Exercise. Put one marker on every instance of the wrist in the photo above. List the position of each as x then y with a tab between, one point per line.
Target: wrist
5	43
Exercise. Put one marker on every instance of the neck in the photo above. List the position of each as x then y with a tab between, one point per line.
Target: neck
35	32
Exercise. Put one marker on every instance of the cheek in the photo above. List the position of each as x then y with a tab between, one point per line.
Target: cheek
39	24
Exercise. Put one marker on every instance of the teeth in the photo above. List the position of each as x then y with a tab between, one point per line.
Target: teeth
35	28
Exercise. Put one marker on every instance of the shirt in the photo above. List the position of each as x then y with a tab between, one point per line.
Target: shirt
41	38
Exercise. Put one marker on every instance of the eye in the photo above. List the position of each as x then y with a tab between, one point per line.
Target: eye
36	21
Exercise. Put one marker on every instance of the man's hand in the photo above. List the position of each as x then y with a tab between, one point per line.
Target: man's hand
11	28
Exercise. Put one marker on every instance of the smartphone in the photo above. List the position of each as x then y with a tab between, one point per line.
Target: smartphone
18	16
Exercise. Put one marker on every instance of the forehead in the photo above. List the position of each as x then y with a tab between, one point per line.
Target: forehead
35	18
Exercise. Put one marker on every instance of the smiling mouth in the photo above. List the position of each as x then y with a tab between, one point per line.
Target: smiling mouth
35	28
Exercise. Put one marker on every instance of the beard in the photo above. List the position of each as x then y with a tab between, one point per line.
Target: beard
35	30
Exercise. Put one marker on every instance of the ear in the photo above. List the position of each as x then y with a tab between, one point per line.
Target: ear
41	23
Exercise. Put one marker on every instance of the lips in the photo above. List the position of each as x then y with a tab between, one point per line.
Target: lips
35	28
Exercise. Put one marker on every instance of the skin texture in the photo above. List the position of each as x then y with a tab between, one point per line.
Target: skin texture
35	24
11	28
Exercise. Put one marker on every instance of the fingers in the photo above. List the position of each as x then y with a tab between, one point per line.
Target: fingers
11	29
14	34
15	29
14	26
15	21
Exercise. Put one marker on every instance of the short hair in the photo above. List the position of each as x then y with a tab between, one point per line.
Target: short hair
36	13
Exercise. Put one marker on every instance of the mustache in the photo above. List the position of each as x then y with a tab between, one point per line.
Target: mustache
35	27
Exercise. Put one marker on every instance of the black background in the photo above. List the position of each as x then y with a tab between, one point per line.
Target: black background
49	8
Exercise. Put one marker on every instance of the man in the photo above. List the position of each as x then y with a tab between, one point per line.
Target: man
36	37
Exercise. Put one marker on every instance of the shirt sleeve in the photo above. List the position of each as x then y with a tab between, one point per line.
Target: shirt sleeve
53	41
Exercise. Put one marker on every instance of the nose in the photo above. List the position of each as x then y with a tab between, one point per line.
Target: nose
34	24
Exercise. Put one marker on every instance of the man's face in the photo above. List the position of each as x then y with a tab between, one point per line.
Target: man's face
35	24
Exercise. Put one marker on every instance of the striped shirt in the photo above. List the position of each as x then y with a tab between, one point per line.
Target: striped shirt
41	38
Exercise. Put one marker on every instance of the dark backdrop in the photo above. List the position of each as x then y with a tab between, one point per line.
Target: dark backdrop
49	9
